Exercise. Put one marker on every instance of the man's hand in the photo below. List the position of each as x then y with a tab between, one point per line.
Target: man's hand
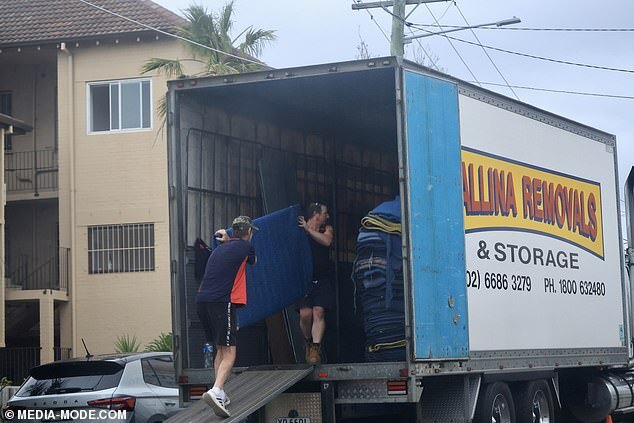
301	222
221	235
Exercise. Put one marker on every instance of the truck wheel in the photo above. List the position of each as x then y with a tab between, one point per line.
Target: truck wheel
495	405
534	403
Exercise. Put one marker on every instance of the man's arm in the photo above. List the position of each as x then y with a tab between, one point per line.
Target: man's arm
252	259
222	235
324	238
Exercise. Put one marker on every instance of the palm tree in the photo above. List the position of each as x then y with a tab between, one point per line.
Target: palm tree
229	55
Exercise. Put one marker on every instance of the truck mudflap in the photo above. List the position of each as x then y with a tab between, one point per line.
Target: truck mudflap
249	391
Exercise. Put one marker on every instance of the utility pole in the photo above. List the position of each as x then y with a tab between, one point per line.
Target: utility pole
398	20
397	47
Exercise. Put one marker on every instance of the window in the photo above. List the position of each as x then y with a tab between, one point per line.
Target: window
121	248
69	377
119	105
159	371
5	109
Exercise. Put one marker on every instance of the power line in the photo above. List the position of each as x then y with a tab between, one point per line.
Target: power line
103	9
431	60
519	28
452	46
375	22
522	87
426	54
487	53
508	28
548	59
532	56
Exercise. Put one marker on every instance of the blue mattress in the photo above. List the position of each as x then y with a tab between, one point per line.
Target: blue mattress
284	268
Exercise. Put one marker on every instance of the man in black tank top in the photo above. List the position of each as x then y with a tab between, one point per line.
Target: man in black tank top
321	296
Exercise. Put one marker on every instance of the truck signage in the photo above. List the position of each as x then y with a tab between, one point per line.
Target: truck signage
504	194
541	234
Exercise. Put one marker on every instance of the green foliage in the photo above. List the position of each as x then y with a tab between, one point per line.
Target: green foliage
214	30
172	68
162	343
126	344
4	382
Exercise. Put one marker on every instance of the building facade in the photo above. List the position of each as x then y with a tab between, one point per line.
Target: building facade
86	251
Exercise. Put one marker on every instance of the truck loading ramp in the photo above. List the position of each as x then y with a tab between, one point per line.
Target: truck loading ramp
248	391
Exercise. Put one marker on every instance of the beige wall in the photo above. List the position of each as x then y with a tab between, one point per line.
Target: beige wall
118	178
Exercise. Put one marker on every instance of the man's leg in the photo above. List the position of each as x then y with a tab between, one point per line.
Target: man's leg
319	324
306	321
228	358
317	332
217	361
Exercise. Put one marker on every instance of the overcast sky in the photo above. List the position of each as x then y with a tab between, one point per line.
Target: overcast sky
321	31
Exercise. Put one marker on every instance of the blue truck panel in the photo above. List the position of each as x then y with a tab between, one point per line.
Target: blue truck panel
436	218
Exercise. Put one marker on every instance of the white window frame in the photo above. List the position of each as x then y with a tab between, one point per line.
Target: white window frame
119	82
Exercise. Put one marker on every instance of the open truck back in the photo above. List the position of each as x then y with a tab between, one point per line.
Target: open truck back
515	292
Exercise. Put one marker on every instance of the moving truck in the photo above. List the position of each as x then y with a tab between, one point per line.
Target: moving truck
517	297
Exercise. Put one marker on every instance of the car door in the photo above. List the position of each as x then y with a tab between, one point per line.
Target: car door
160	376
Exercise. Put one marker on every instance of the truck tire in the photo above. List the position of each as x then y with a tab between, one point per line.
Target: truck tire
534	402
495	405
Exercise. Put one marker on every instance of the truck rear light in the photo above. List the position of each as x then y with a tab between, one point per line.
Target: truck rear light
116	403
183	379
397	387
197	391
403	372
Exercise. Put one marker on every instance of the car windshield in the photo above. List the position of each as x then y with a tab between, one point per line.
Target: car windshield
66	378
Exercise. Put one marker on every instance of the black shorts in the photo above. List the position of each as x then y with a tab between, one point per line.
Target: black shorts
219	323
321	293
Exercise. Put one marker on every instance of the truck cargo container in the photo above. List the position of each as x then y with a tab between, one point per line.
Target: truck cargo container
517	299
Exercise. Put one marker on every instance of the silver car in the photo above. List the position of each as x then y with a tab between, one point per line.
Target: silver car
136	387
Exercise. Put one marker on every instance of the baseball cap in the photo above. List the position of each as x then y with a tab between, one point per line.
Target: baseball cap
244	222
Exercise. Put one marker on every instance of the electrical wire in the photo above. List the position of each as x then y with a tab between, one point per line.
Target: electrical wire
515	28
547	59
487	54
435	66
375	22
452	46
408	27
103	9
522	87
532	56
431	60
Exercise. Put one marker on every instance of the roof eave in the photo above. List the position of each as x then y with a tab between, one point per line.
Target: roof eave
109	35
19	127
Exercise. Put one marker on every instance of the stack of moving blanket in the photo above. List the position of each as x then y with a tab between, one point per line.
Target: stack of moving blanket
378	275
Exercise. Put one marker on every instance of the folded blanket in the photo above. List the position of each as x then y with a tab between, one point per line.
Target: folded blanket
389	210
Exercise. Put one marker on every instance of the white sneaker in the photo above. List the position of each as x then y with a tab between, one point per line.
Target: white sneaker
216	403
227	400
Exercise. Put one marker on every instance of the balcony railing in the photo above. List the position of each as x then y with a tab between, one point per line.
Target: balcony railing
52	274
15	363
31	171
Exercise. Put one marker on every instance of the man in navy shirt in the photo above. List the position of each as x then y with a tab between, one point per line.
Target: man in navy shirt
221	291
